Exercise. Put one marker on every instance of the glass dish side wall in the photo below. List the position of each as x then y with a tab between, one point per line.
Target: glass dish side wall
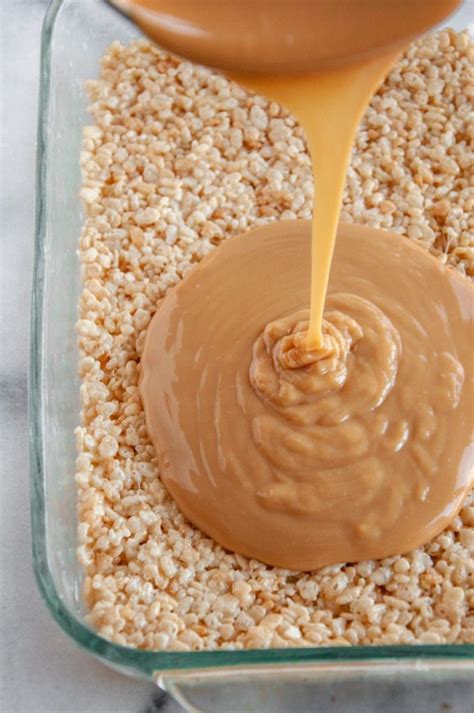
75	35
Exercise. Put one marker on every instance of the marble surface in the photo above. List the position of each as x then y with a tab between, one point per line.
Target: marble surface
41	669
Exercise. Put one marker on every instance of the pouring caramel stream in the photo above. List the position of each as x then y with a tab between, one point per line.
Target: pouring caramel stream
294	429
321	59
329	105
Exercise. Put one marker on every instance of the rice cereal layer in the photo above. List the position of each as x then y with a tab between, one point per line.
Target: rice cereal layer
177	160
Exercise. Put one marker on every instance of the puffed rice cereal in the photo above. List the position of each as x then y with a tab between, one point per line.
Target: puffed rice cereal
178	159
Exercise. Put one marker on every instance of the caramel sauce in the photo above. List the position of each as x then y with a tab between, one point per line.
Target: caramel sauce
360	450
292	424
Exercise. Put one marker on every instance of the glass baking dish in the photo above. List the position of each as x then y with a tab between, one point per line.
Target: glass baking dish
75	35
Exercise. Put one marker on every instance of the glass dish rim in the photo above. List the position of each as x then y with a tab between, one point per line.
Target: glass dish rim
144	662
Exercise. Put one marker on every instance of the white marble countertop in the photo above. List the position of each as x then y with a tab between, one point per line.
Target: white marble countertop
41	670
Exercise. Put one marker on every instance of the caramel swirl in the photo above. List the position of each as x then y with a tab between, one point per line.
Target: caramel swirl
360	449
351	375
327	427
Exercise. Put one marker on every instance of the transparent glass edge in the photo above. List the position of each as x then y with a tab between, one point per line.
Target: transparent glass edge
145	663
260	687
